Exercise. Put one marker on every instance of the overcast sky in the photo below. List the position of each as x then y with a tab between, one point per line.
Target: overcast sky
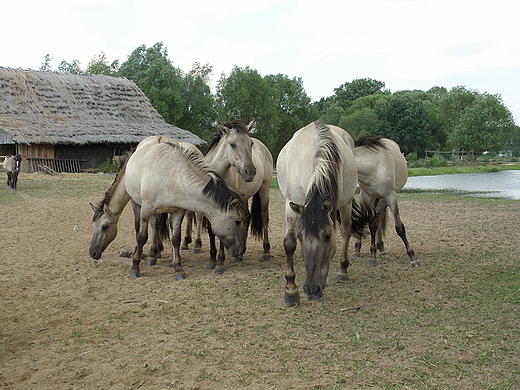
407	44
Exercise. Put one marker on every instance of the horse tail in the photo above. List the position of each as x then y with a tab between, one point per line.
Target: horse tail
361	216
257	224
162	226
370	141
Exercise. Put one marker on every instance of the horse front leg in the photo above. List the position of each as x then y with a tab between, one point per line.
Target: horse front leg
291	293
219	269
176	227
264	199
346	225
142	238
212	249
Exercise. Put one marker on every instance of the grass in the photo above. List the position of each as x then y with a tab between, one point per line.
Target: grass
463	168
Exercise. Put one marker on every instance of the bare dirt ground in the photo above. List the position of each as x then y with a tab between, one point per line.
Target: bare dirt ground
69	322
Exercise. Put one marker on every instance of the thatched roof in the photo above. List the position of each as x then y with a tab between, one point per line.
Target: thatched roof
61	108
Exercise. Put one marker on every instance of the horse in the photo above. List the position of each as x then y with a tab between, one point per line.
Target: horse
382	173
246	165
12	167
162	177
317	175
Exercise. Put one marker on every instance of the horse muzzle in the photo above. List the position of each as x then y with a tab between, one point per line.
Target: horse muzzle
314	292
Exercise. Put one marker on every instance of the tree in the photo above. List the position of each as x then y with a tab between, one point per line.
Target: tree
71	67
151	69
46	64
294	107
347	93
100	65
405	121
484	126
247	95
199	114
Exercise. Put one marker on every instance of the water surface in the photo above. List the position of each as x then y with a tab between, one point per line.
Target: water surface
503	184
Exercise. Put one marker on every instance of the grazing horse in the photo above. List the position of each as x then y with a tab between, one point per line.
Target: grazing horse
317	175
246	165
162	177
382	173
12	167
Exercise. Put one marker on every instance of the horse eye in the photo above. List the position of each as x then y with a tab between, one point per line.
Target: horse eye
104	227
327	237
238	223
233	145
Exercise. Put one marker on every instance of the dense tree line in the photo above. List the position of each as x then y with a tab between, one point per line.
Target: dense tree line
437	119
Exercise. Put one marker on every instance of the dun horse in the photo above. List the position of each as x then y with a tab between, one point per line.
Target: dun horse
161	177
12	167
317	175
246	165
382	173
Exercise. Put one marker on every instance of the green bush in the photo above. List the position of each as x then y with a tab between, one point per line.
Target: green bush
437	161
108	166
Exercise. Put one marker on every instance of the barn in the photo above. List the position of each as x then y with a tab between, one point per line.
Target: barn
69	122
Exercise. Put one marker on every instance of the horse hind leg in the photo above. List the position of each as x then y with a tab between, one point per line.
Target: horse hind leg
187	235
197	246
176	227
401	232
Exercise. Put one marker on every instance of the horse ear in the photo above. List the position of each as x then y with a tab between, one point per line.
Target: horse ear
93	207
297	208
223	129
327	206
105	208
250	126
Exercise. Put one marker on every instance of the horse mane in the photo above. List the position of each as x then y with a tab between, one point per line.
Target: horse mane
324	182
99	209
372	142
237	124
218	191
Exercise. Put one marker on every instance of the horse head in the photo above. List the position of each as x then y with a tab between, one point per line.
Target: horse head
104	224
234	138
316	231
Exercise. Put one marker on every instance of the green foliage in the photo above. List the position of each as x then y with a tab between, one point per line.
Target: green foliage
71	67
405	121
484	125
348	92
100	65
411	157
437	161
108	166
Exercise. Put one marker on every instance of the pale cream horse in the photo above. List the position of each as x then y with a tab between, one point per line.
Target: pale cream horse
382	173
246	165
317	175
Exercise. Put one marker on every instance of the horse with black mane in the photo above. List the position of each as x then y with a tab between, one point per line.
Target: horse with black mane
382	173
12	167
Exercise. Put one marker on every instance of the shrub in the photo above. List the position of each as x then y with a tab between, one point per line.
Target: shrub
108	166
437	161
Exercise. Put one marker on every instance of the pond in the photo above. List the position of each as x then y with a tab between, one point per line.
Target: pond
503	184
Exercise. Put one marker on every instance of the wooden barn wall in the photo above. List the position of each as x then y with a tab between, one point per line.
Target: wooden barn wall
93	155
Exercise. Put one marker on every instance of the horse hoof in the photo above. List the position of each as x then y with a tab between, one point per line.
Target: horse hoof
180	277
219	270
135	274
195	251
184	248
291	300
341	277
372	262
416	263
151	262
383	253
212	266
237	260
355	256
266	258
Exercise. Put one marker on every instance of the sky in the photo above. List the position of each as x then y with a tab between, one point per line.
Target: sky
407	44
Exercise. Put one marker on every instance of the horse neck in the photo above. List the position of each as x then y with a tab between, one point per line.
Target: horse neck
217	159
118	196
